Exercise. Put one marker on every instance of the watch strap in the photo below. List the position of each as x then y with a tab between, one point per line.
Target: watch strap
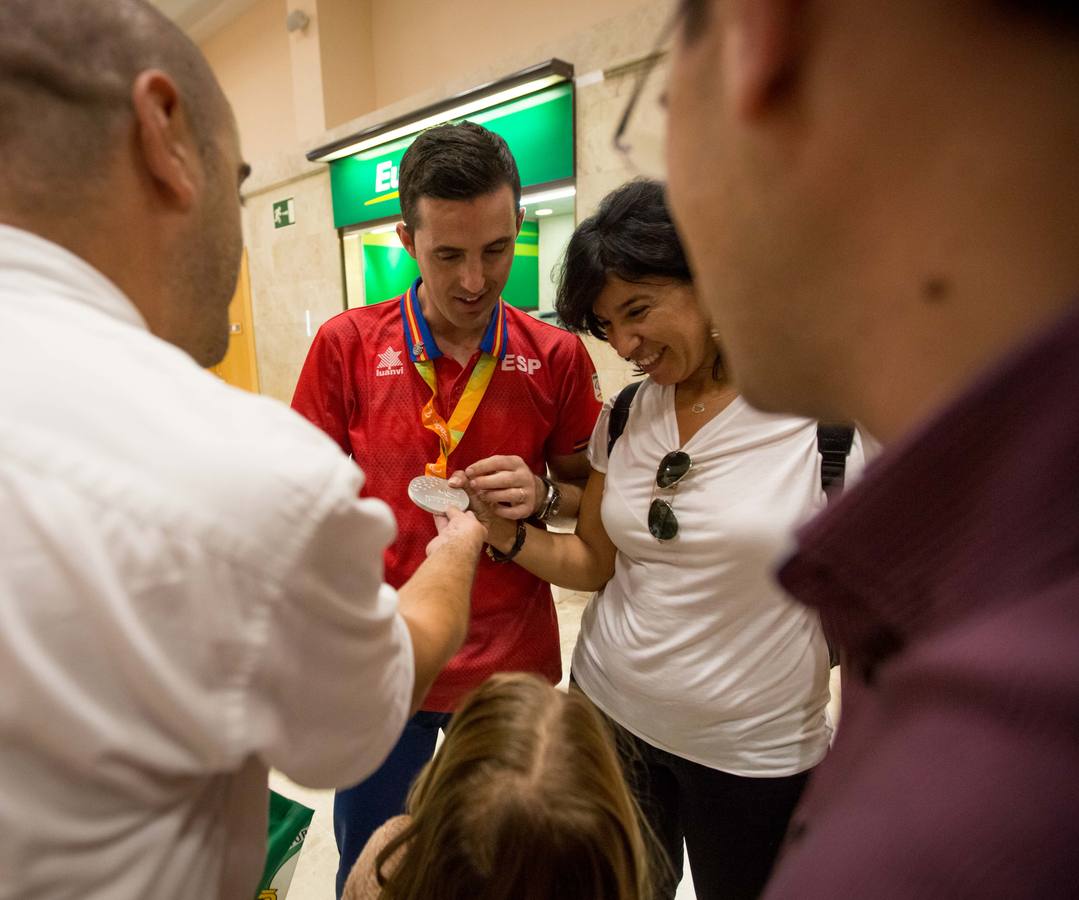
550	501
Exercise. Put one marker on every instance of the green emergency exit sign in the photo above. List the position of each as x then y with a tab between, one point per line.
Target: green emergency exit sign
284	213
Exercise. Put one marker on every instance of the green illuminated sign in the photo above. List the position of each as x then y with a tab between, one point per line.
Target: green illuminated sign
538	129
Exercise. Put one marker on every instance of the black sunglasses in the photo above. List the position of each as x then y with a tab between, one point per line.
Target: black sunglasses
662	522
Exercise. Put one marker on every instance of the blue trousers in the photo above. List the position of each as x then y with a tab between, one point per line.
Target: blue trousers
358	811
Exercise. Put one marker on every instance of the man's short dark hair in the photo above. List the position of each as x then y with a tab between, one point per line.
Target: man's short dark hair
693	15
630	236
455	162
1057	14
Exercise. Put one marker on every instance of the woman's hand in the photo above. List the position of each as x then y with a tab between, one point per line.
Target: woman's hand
505	483
501	531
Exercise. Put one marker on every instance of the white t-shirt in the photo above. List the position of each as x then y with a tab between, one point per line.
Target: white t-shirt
691	645
190	592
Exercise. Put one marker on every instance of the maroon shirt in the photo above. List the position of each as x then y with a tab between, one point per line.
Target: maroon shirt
950	575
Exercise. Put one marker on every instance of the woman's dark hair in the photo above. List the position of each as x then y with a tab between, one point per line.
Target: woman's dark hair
455	162
631	236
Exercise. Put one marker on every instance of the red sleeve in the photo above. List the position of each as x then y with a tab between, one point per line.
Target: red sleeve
322	394
580	404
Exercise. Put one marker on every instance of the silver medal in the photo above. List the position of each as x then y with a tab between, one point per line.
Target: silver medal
435	495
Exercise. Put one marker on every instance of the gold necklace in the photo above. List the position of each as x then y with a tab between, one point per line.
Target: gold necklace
700	405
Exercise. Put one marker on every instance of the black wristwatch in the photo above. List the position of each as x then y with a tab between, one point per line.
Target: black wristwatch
551	501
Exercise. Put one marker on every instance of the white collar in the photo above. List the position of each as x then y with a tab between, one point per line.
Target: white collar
28	262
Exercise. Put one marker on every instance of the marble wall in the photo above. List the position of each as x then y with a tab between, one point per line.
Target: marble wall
251	58
296	276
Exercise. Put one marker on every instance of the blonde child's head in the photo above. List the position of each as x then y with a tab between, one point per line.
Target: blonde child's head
525	801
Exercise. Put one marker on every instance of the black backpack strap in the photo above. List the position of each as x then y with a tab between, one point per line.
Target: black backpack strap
833	443
620	414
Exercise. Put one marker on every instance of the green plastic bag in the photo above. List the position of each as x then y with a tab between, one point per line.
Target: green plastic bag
289	821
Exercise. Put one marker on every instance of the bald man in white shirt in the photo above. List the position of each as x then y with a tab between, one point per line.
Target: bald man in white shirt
190	590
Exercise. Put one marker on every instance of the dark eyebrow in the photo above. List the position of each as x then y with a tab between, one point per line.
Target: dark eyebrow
446	248
634	299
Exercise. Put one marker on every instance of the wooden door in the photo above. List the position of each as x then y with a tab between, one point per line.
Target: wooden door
239	367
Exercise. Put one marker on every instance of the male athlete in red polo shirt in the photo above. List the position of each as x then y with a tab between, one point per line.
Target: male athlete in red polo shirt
513	394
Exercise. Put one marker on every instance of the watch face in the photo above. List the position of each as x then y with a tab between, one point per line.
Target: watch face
553	504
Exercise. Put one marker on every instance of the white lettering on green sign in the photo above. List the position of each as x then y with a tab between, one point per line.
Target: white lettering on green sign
385	177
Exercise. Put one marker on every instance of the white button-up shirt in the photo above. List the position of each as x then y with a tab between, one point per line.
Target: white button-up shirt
190	591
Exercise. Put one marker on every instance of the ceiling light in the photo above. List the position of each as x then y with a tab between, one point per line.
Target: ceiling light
527	81
546	211
548	195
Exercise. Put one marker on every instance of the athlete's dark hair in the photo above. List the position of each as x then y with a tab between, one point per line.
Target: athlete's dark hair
630	236
455	162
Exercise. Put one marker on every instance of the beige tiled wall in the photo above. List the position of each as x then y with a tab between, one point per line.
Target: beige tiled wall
250	56
296	277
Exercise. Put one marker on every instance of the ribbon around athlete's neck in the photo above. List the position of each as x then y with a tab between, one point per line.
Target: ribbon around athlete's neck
423	351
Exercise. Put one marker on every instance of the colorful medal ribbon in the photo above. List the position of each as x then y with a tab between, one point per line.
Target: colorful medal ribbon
424	351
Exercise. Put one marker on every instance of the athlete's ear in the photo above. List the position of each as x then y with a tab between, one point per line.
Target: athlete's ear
407	239
520	218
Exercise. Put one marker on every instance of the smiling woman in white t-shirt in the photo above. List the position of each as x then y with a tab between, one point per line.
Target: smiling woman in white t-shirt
715	681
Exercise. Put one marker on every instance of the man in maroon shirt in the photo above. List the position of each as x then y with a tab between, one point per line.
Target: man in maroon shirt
445	377
881	202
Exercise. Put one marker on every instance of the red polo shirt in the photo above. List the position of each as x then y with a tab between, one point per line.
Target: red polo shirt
360	387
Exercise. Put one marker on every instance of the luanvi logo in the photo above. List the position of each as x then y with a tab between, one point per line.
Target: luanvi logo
389	363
